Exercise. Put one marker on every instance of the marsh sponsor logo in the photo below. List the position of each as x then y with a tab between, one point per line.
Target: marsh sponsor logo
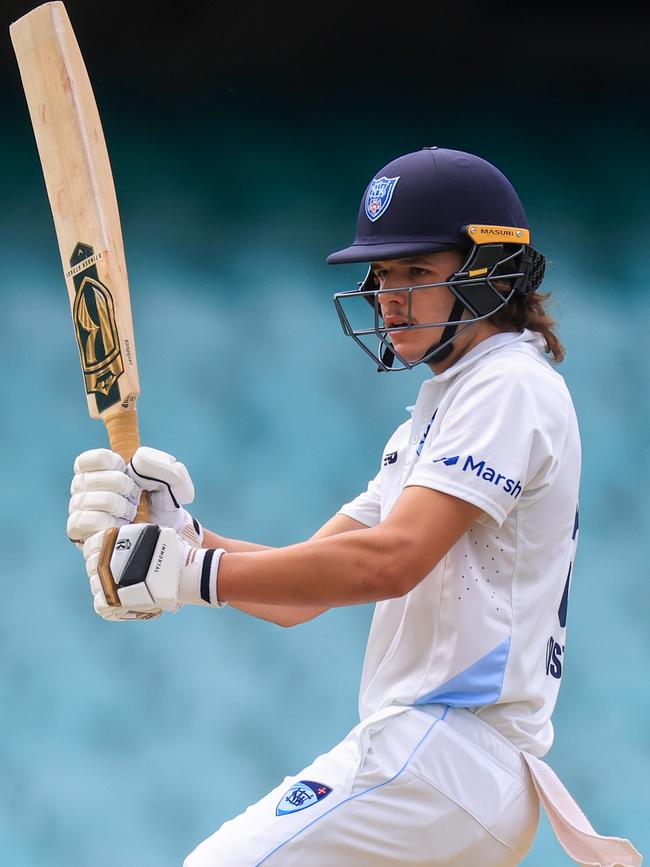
482	471
448	462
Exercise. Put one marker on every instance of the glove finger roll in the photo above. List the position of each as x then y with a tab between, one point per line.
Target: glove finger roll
108	612
98	459
82	525
103	501
93	545
105	480
91	568
95	584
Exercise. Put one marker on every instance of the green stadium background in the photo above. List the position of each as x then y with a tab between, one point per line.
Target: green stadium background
241	141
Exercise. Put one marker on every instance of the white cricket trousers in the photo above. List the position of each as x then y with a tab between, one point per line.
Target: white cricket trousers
408	786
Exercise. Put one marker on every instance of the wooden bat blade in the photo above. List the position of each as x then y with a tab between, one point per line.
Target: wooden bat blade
80	187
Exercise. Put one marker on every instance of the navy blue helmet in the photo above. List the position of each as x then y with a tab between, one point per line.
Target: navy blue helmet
439	199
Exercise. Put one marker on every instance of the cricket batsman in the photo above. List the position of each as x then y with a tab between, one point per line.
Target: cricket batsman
464	540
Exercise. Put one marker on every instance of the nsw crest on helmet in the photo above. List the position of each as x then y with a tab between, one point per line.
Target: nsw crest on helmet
378	197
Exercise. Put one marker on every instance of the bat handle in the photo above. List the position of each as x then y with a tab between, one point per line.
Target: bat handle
124	436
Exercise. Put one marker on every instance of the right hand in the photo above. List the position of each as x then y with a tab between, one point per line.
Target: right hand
106	491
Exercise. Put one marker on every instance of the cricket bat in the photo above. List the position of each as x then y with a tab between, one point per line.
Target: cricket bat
81	191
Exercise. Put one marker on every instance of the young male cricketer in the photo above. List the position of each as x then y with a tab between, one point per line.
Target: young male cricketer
464	539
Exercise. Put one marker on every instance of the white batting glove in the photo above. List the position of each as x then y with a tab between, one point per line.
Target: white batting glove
170	487
154	570
105	493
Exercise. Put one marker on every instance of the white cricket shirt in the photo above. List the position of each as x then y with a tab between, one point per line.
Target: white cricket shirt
485	629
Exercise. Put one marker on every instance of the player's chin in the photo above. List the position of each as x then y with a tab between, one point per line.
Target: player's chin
410	345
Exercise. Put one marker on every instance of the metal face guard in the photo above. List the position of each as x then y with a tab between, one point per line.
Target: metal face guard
473	285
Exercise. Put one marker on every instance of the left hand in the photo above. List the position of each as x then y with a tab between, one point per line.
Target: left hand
154	571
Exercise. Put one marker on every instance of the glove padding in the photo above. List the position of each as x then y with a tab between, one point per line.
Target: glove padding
105	493
153	569
102	495
170	487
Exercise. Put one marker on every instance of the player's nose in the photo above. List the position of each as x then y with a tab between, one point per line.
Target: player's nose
393	303
393	295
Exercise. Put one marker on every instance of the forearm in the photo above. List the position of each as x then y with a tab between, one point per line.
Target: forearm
353	568
283	615
213	540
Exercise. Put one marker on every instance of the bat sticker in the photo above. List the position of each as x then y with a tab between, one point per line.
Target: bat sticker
93	315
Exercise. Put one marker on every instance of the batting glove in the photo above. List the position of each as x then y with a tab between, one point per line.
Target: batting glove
153	569
105	493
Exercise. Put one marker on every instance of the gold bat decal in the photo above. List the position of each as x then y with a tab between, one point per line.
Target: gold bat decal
94	320
85	321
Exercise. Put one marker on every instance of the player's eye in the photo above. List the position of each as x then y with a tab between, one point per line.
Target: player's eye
418	272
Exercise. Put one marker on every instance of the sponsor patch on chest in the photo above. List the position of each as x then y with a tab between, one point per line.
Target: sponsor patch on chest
479	468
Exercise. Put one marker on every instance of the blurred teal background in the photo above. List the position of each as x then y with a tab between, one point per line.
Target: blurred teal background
241	143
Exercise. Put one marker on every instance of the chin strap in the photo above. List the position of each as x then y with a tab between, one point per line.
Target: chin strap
444	347
387	358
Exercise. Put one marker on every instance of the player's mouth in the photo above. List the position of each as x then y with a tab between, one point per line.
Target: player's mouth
397	322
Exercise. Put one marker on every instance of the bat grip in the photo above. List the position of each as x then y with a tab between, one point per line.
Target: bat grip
124	437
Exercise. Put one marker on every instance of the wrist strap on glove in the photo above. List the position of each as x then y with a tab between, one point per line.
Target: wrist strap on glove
198	584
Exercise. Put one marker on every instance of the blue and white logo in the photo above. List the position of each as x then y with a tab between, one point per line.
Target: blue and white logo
484	472
378	197
301	795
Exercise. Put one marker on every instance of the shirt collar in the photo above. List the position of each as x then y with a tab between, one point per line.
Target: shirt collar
497	341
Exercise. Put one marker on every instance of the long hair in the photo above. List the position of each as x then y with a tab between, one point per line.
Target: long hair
529	311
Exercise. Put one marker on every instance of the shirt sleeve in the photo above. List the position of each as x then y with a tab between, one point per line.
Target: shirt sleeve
366	508
495	444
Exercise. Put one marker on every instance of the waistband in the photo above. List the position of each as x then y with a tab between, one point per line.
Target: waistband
480	733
